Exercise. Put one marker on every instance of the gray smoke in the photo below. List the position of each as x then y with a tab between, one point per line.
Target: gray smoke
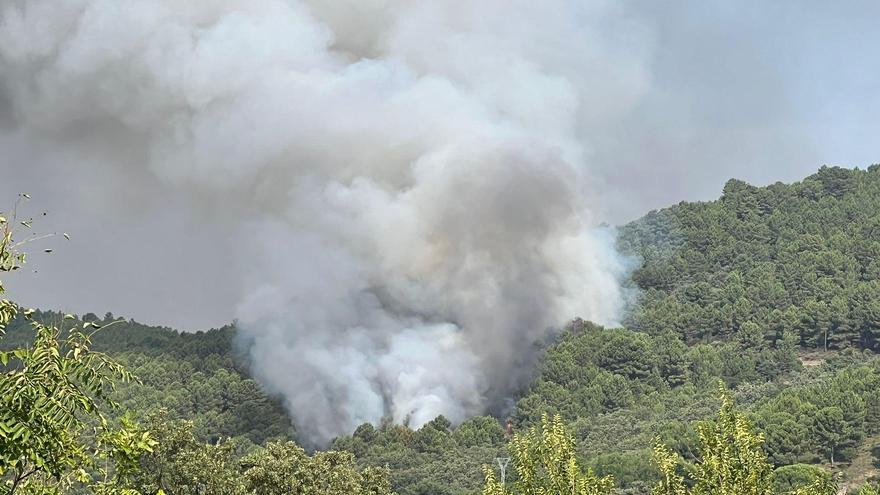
406	180
396	199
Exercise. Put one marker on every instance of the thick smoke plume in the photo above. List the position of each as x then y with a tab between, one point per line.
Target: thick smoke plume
406	181
394	198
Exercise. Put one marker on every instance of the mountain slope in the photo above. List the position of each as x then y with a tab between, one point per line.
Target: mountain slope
773	290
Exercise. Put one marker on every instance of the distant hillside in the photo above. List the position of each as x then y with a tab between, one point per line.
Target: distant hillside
801	259
773	290
195	376
742	289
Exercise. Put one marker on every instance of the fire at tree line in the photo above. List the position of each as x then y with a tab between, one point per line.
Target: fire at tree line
747	365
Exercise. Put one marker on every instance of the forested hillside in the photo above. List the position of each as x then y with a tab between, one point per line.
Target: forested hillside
194	376
750	288
774	291
800	259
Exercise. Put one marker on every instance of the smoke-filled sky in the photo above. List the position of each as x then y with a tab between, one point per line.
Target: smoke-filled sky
412	189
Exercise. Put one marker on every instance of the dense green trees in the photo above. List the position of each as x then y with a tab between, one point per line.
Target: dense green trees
801	258
182	464
733	289
196	376
731	460
775	291
546	462
825	419
53	435
282	468
55	389
594	370
793	477
436	459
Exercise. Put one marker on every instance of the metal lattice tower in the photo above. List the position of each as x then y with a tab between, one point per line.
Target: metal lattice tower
502	465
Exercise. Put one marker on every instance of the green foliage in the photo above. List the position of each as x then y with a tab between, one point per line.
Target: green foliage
283	468
735	289
546	463
595	370
124	447
796	476
870	489
196	376
762	262
731	461
479	430
181	464
52	432
9	261
46	391
825	418
671	482
821	485
436	459
631	469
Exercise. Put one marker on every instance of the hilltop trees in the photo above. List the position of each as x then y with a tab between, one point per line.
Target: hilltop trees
801	259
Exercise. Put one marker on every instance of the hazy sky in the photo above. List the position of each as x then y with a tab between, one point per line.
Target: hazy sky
761	91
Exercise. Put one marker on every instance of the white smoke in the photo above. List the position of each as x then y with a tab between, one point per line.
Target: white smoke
409	180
